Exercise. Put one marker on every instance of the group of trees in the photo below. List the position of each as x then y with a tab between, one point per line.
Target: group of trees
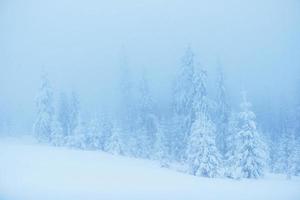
202	133
62	125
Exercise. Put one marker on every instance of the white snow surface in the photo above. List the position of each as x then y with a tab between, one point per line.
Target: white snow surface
29	171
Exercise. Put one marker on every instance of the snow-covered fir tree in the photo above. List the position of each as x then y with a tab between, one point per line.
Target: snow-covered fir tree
68	113
141	144
292	155
78	138
287	151
45	111
145	126
277	141
247	151
106	127
63	113
162	143
203	158
115	143
95	135
183	95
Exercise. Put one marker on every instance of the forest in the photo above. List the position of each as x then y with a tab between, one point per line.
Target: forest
203	135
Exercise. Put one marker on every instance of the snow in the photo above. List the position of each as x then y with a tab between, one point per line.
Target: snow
30	171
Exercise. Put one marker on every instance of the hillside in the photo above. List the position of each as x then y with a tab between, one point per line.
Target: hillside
31	171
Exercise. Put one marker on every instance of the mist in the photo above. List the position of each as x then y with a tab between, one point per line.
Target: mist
79	44
150	99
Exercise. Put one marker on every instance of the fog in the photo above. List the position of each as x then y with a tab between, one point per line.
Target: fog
80	43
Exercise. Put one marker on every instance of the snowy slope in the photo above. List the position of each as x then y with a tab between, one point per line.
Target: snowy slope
31	171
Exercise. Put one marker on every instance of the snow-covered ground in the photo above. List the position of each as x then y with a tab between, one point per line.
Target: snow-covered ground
29	171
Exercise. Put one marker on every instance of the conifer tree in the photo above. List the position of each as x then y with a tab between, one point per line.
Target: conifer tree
247	153
63	114
222	112
78	139
95	139
73	112
145	125
115	143
57	136
162	143
203	158
45	111
183	95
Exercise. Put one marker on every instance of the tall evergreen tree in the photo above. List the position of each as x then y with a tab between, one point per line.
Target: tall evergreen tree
45	111
203	157
222	112
145	130
247	153
183	95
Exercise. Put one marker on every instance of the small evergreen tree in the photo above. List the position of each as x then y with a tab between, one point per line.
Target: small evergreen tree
114	144
57	136
291	156
162	144
106	129
95	139
78	139
45	111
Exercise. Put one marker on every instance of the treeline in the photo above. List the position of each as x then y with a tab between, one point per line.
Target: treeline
203	134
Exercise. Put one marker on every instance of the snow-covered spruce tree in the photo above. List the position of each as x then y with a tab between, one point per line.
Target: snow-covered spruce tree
183	95
279	160
222	113
247	152
106	129
145	126
94	137
203	158
292	155
45	111
277	154
78	139
68	111
57	135
115	142
287	152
